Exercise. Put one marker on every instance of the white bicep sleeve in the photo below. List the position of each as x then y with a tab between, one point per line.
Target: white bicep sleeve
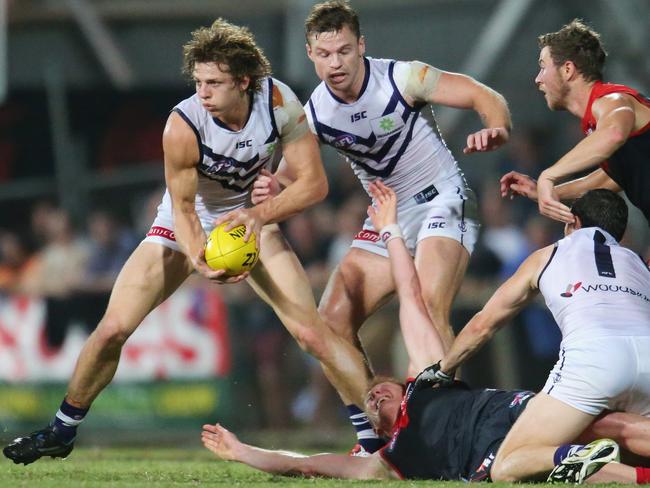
416	80
289	115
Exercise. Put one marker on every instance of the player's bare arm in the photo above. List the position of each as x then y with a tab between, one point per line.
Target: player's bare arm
307	182
430	85
228	447
268	185
518	184
181	157
509	299
615	116
423	343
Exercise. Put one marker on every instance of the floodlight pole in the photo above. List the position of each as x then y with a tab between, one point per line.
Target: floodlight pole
4	67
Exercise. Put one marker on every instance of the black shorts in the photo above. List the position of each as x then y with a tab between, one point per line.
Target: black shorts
494	422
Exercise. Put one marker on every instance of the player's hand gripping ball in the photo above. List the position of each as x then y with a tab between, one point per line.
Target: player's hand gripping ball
227	250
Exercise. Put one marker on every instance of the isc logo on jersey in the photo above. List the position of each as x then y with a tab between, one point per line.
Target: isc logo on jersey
244	144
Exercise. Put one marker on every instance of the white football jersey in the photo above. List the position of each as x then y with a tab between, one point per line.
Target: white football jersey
596	288
231	160
382	136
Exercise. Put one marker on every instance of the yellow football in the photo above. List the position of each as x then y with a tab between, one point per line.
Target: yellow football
227	250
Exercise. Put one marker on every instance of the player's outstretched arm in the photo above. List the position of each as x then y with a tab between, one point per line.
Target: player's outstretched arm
229	448
423	343
615	118
518	184
509	299
462	91
422	83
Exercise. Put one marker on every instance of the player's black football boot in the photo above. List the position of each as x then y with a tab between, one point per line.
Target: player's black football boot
43	442
585	462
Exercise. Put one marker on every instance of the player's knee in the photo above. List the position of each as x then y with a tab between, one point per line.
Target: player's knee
338	327
500	473
112	331
436	304
311	341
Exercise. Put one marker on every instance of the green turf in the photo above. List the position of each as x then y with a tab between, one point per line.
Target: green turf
162	468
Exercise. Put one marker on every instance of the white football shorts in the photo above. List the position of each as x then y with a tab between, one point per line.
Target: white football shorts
162	229
451	213
610	373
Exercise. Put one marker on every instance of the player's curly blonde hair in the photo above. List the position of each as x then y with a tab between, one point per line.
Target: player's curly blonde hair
226	44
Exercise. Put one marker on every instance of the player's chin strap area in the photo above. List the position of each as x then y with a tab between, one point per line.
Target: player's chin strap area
432	376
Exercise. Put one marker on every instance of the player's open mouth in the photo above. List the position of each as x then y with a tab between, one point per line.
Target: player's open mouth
337	77
379	402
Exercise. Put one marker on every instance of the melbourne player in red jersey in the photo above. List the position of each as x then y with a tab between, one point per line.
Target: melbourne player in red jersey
615	120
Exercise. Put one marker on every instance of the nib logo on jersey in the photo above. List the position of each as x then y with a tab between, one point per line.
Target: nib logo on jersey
572	289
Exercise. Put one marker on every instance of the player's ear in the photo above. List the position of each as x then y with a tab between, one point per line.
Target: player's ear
568	70
245	83
577	224
362	45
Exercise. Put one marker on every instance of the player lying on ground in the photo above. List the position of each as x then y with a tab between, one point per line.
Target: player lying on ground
599	294
447	432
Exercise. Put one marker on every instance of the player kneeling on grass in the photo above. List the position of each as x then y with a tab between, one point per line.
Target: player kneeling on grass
599	295
448	432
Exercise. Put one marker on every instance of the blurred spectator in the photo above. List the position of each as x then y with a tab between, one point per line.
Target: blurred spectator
15	261
310	243
525	154
500	234
110	246
343	182
58	274
349	220
41	213
144	211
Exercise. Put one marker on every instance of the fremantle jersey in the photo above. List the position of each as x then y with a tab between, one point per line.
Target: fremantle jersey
382	136
596	288
451	432
629	166
231	160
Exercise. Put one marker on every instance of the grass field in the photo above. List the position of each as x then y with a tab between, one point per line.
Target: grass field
109	467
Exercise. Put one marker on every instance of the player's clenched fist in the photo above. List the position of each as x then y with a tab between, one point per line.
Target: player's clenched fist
266	186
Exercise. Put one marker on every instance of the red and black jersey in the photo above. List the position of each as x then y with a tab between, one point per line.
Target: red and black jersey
629	166
451	432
